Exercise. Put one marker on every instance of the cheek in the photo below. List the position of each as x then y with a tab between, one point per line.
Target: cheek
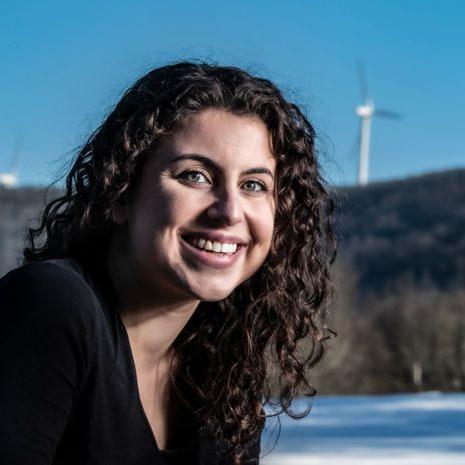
262	227
150	219
265	223
265	231
159	219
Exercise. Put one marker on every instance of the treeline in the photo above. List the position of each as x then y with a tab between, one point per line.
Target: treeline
400	288
408	230
19	209
411	339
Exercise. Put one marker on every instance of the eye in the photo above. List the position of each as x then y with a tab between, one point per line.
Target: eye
193	176
255	186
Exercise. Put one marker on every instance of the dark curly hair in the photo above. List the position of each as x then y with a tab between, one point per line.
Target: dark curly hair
274	321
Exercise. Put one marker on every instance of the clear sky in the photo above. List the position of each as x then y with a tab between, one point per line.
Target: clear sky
64	64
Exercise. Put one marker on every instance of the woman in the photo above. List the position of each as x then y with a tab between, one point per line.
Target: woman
191	246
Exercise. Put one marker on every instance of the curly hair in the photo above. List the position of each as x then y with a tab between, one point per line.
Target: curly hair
273	321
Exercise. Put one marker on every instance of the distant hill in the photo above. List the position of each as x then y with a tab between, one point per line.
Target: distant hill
19	208
407	231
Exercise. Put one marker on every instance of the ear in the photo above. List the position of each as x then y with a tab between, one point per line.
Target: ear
120	213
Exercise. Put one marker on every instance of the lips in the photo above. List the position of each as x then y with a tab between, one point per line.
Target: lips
211	259
215	237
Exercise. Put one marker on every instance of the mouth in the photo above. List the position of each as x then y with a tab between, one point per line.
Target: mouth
215	255
213	247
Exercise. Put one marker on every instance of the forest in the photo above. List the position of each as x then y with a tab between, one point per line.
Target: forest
399	309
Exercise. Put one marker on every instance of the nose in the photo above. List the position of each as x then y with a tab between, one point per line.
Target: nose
226	208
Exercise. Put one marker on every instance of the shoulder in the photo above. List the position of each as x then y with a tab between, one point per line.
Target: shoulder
45	273
52	288
48	342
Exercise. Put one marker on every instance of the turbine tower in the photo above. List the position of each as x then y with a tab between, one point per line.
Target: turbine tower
365	112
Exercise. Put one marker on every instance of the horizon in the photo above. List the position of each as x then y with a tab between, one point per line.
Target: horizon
56	184
81	62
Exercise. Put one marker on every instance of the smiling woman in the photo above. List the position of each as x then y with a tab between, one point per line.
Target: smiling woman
191	247
212	180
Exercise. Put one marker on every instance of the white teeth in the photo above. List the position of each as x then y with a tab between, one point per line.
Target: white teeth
214	246
228	248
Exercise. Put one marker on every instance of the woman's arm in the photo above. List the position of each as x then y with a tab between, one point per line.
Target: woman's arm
44	334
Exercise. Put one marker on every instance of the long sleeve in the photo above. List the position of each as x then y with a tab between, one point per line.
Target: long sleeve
44	357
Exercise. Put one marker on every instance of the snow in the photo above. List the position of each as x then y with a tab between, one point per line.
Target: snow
406	429
366	459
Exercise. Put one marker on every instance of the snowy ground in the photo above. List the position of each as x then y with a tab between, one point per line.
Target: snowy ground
410	429
355	458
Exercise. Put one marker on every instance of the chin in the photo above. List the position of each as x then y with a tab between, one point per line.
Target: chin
212	294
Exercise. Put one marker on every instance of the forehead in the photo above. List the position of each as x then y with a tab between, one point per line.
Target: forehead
232	140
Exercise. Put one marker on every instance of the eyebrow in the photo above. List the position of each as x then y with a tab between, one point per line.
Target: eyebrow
212	164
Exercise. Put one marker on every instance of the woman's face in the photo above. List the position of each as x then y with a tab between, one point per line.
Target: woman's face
210	185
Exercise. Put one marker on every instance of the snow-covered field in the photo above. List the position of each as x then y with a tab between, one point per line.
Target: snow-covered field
407	429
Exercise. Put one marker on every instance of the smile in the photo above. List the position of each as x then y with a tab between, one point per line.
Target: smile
212	246
211	253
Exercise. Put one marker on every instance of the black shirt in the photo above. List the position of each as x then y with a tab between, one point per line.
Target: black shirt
68	389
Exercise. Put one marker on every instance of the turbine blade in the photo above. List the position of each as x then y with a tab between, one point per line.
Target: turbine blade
362	80
388	114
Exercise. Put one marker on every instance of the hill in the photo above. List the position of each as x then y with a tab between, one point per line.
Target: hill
19	208
405	232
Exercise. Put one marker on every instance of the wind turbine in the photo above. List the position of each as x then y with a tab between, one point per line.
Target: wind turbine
10	178
365	112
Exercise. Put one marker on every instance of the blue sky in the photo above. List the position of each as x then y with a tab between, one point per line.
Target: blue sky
64	64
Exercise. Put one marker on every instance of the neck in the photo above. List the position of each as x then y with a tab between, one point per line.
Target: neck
153	330
153	316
